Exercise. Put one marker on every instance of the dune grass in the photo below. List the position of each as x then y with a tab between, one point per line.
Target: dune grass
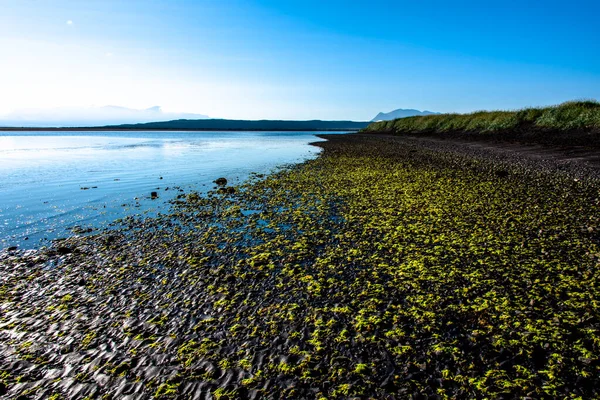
569	116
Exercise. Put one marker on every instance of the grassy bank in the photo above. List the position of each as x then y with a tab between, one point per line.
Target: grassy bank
379	270
577	120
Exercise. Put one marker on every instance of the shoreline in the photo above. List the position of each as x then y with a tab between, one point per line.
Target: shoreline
88	187
386	267
589	139
569	157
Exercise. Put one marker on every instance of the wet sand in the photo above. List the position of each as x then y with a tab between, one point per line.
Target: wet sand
386	268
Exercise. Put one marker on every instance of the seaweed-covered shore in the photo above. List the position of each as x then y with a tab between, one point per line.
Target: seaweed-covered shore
386	268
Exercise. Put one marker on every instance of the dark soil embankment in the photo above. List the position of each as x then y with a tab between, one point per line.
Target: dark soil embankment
386	268
575	123
526	135
583	161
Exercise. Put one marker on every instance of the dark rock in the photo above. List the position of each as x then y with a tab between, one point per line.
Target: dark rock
192	197
226	190
84	188
221	181
80	230
502	173
12	248
63	250
154	195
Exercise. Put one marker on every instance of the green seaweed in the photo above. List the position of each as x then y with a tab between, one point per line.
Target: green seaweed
375	270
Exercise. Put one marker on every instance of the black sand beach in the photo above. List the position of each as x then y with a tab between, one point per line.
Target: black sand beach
389	267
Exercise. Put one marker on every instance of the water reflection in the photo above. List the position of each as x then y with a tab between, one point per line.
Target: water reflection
56	180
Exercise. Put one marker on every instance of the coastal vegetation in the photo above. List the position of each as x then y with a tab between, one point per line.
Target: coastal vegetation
575	120
381	269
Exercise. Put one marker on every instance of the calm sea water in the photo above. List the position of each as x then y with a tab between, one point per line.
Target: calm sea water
51	182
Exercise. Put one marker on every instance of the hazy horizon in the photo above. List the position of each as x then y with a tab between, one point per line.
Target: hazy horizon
98	116
296	60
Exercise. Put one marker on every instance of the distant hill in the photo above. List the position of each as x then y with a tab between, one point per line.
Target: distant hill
246	125
89	116
401	113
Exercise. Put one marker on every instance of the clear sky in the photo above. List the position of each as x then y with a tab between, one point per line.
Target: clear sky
297	59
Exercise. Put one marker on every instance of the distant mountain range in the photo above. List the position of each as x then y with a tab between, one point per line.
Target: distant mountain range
401	113
114	117
89	116
247	125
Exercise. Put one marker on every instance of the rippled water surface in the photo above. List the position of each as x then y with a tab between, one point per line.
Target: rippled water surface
53	181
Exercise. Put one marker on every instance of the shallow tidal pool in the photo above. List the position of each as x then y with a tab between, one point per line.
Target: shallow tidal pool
52	182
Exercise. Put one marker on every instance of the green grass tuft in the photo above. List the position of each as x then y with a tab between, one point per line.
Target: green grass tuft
572	115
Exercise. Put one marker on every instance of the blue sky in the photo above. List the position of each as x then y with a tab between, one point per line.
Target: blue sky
297	59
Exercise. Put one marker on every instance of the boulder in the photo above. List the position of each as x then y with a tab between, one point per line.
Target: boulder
64	250
221	181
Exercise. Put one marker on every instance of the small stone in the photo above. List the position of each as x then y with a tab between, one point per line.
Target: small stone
502	173
154	195
221	181
63	250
